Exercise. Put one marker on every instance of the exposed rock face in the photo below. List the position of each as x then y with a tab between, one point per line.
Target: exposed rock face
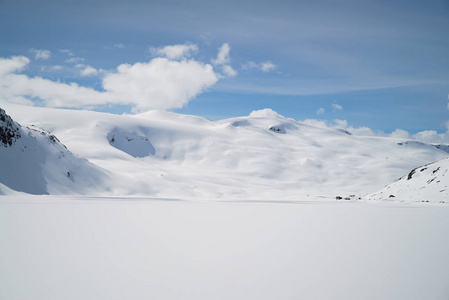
9	130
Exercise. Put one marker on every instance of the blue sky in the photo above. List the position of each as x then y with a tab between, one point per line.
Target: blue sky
379	64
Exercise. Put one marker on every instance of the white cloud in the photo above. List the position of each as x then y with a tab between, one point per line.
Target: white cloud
223	55
223	59
88	71
250	65
320	111
119	46
41	54
158	84
13	64
67	51
265	67
342	124
400	133
229	71
175	51
20	88
337	107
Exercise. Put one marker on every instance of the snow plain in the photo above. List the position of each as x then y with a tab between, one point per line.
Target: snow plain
67	247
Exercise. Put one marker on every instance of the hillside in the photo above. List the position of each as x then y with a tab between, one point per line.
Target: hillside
428	183
260	156
36	162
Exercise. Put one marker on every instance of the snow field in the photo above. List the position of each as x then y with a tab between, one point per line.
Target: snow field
65	247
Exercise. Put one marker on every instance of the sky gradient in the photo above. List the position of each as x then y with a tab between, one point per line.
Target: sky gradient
377	64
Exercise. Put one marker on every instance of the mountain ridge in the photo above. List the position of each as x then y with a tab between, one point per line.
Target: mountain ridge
260	156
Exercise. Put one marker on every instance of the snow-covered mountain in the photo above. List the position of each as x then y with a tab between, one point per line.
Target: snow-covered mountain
36	162
428	183
260	156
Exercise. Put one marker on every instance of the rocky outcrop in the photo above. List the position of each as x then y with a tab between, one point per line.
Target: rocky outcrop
9	130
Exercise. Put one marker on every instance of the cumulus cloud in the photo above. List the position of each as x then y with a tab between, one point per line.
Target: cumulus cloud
87	70
175	51
20	88
265	67
13	64
41	54
158	84
266	112
168	81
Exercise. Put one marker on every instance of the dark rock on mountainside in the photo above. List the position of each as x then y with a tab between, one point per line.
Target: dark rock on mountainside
9	130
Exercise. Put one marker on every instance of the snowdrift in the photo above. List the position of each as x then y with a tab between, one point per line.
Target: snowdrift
163	154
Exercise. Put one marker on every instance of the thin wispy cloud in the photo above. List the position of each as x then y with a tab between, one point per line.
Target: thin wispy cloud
67	52
56	67
223	55
41	54
223	59
175	51
265	67
320	111
75	60
337	107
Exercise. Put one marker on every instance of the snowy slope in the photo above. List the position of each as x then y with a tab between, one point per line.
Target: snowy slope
428	183
34	161
260	156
